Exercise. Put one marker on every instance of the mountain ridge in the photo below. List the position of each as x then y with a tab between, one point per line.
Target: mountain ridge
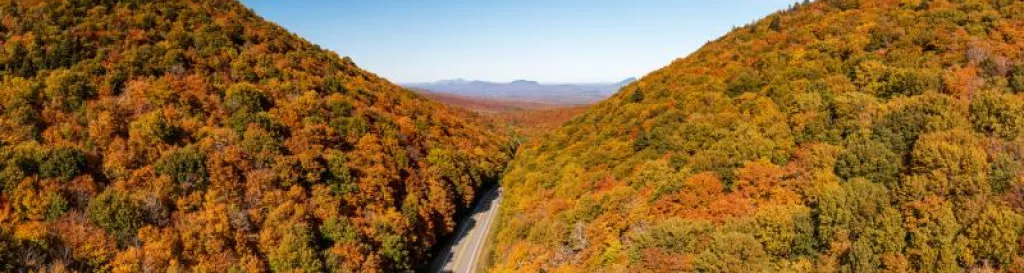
525	90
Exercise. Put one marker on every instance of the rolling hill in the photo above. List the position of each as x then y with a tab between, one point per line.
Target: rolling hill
836	136
194	136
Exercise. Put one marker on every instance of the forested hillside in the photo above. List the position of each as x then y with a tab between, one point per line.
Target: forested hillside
193	136
836	136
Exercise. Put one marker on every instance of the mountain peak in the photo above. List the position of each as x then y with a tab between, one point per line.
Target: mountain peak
524	82
453	81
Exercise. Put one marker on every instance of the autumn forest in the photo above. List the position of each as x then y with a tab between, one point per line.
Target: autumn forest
834	136
192	136
196	136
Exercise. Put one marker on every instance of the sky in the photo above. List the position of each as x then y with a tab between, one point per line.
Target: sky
551	41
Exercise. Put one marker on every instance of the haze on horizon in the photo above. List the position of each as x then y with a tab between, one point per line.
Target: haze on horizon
573	41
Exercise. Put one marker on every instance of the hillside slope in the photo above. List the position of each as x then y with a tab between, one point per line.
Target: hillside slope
193	136
838	136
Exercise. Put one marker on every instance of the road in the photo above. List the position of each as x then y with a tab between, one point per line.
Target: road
464	251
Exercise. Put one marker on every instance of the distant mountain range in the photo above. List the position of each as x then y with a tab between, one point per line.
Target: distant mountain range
522	90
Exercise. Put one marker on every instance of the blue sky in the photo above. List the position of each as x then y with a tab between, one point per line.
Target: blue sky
543	40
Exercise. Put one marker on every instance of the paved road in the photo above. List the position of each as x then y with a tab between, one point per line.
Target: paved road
461	255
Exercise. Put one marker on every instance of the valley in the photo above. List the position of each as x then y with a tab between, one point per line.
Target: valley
466	249
204	136
523	118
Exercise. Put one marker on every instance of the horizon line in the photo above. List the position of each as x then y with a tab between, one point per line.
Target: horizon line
633	78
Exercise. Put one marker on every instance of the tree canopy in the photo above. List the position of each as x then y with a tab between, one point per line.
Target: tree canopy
833	136
193	136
